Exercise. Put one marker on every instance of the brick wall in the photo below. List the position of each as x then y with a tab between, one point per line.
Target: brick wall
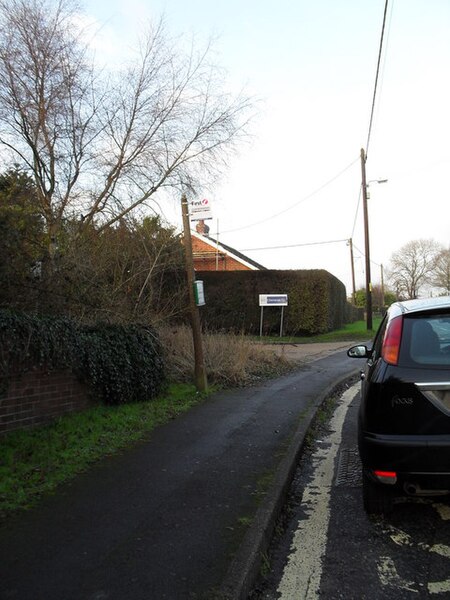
204	262
38	396
205	258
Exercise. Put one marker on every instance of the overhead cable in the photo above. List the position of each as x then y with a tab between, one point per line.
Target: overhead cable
376	77
295	245
356	213
362	254
319	189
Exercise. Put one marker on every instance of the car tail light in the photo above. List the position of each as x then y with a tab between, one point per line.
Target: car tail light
389	477
391	342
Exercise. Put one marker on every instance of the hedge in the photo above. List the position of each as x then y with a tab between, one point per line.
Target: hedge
317	301
120	363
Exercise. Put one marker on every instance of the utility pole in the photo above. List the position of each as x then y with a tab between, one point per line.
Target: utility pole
199	370
366	241
352	260
382	286
217	246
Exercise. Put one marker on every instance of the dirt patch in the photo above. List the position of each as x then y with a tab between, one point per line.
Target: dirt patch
304	353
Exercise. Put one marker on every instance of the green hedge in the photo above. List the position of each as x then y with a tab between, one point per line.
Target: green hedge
120	363
317	301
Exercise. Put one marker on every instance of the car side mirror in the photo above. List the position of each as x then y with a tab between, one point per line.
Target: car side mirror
359	352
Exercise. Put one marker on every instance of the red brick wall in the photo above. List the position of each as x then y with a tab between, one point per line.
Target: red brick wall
205	259
37	397
225	263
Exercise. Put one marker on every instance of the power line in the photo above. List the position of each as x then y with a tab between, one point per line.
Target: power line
383	66
319	189
362	254
356	213
294	245
376	77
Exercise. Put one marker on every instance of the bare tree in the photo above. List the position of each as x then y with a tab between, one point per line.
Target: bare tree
441	277
46	107
412	267
99	145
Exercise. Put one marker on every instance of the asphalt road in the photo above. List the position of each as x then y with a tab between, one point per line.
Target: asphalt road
165	518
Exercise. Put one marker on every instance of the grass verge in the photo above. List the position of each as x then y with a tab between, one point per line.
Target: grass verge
34	462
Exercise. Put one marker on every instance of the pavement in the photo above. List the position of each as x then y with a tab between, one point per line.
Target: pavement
185	514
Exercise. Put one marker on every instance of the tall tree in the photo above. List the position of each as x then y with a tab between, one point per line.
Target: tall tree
441	278
100	144
412	267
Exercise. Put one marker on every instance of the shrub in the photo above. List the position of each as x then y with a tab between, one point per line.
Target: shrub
123	363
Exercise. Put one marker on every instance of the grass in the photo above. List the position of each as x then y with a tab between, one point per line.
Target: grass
353	331
34	462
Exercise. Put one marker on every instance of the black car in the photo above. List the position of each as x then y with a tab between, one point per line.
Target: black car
404	417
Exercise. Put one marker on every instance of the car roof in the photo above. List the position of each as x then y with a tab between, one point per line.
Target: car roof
420	305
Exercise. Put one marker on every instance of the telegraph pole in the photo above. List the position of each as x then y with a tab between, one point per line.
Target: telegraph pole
199	370
350	243
366	241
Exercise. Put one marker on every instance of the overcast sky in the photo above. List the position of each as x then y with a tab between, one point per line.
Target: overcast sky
313	65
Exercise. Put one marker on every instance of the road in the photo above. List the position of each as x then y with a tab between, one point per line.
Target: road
330	549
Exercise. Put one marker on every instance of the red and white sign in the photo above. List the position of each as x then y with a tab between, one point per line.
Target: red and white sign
200	210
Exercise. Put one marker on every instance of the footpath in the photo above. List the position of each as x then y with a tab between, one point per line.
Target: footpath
185	514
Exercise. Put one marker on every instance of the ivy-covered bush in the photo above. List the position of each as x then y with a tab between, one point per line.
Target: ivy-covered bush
120	363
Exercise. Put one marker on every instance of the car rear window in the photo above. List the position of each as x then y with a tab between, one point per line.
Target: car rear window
426	341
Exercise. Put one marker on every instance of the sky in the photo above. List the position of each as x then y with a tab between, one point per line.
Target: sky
312	65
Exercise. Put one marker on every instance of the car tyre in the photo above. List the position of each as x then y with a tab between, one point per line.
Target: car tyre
376	498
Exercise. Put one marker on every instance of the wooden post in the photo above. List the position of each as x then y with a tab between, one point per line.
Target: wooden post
366	241
350	243
199	368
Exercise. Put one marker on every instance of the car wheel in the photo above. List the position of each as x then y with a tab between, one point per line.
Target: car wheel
376	498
